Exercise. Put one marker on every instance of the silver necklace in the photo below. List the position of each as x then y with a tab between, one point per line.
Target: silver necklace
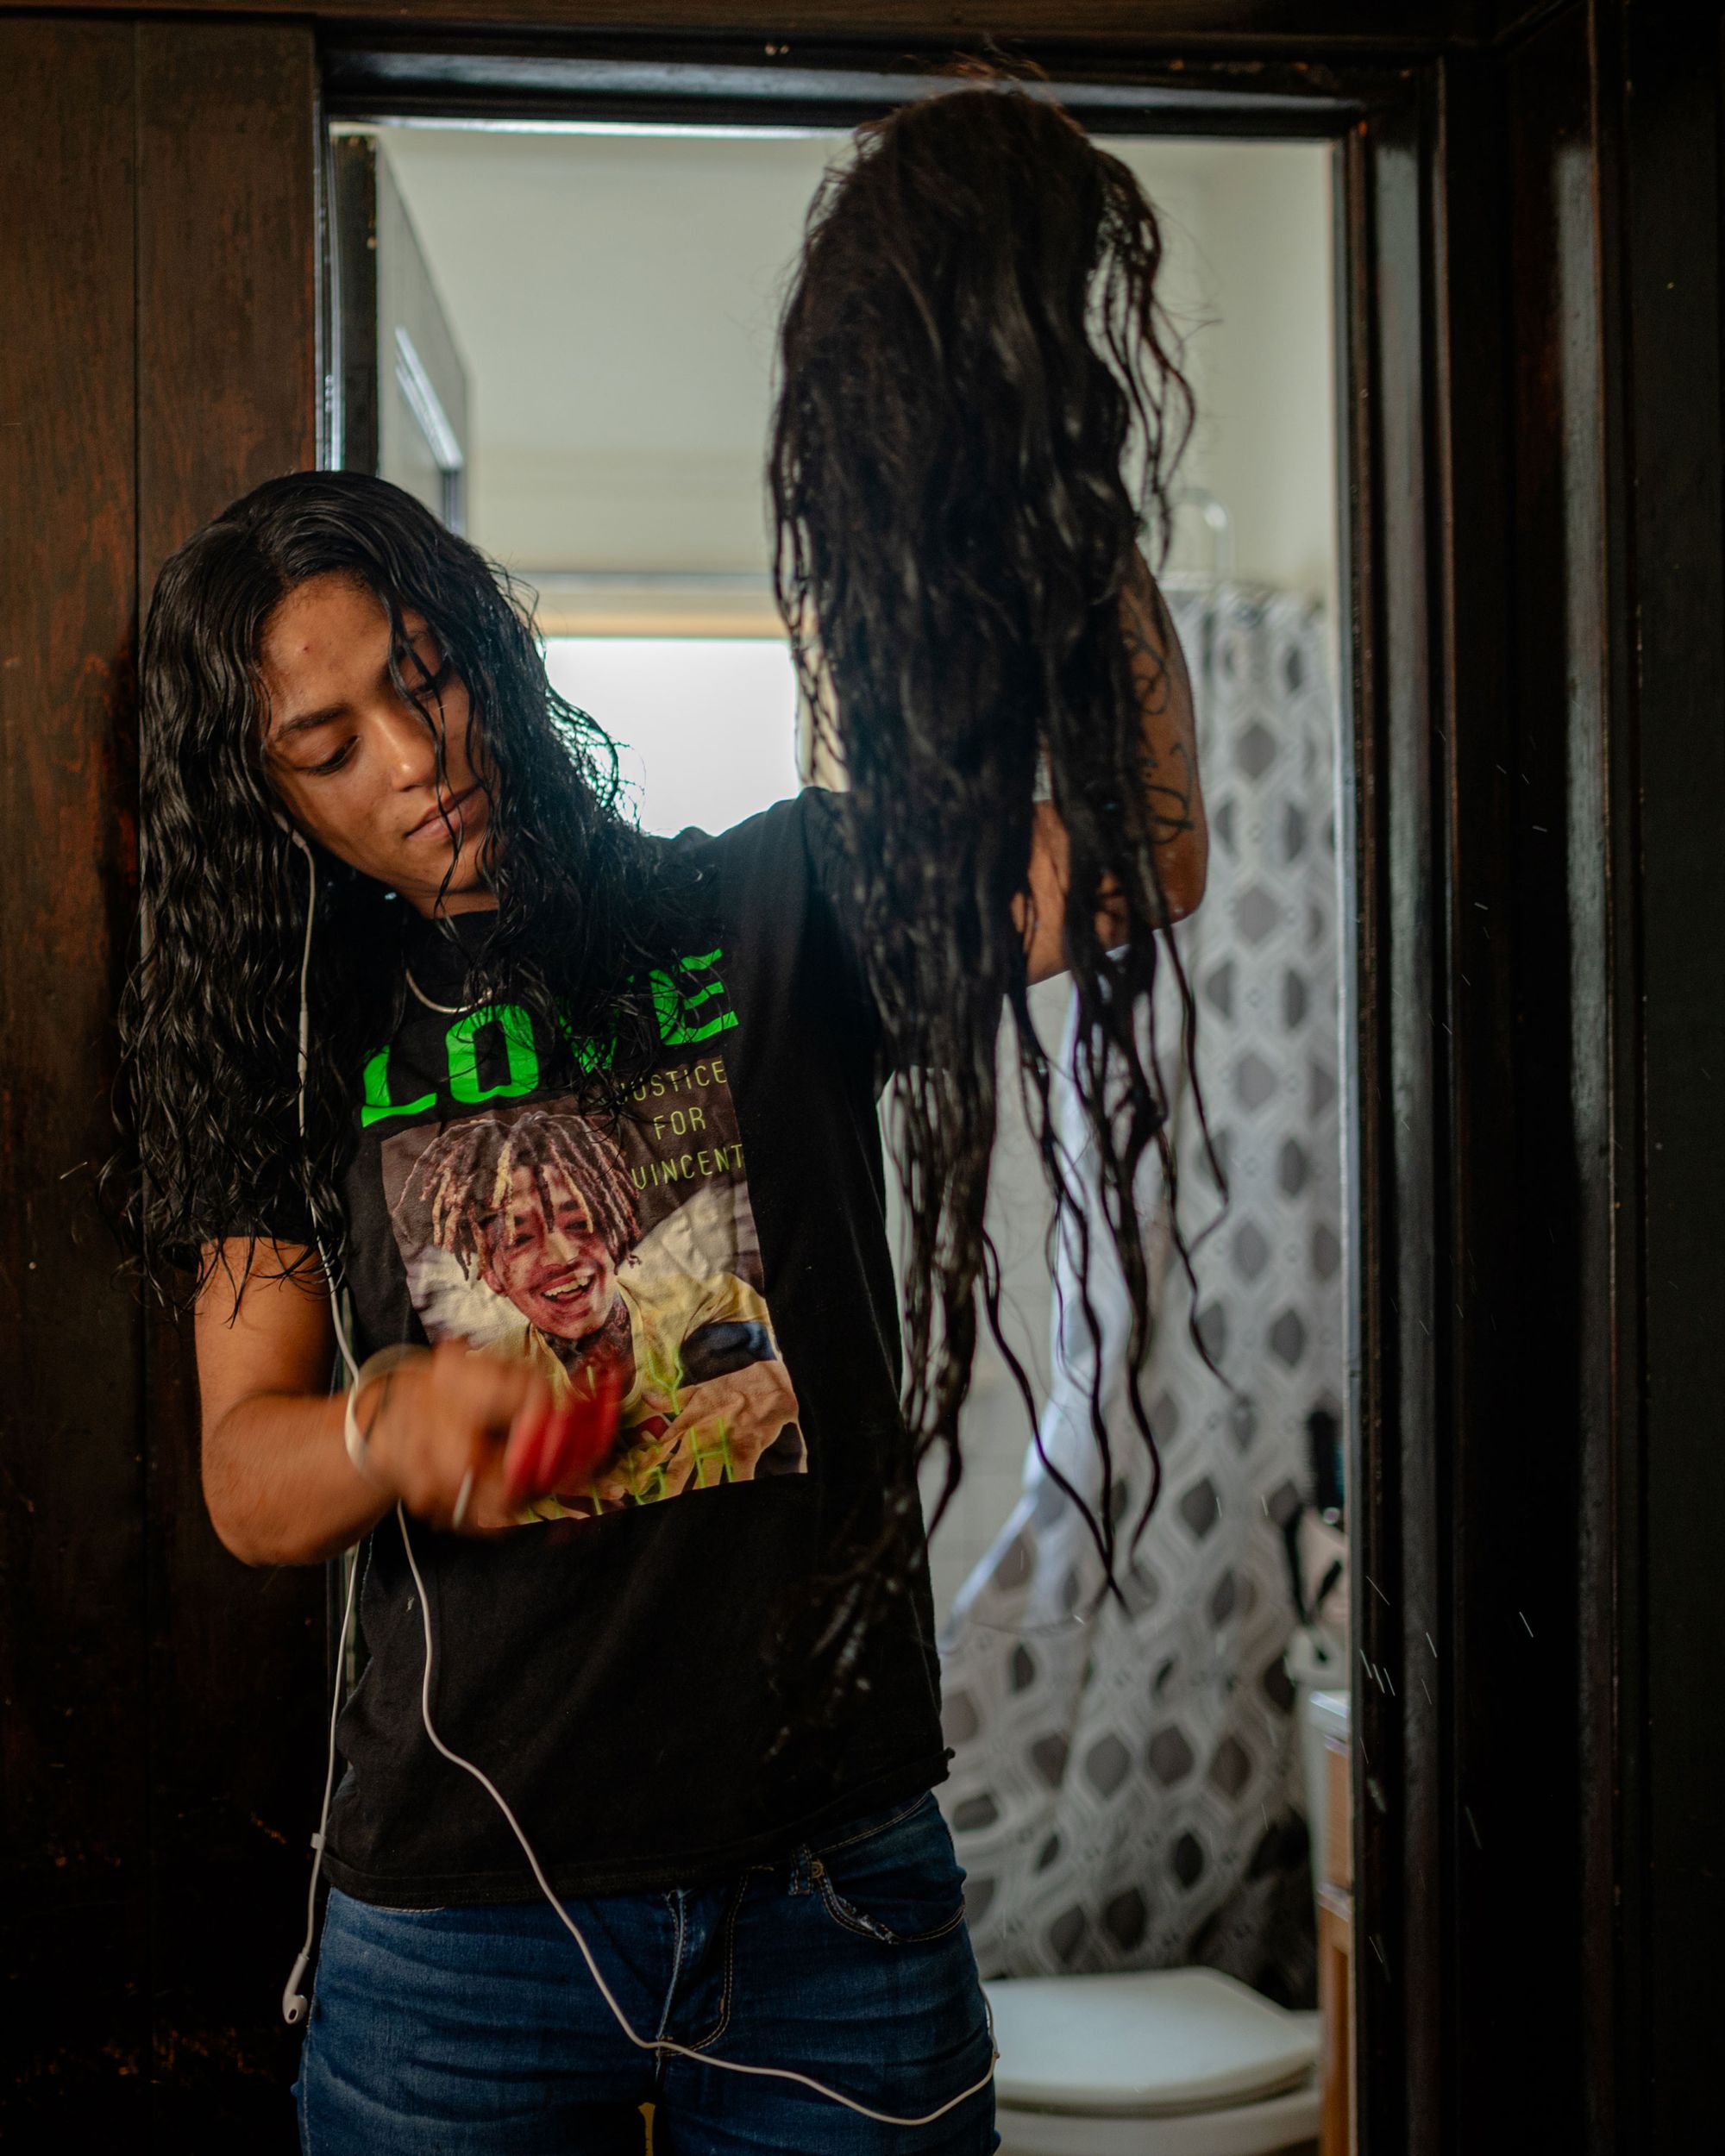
448	1010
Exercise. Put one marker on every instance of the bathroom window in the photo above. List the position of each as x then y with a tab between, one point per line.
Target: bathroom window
706	726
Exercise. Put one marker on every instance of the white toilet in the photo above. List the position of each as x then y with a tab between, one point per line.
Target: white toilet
1162	2062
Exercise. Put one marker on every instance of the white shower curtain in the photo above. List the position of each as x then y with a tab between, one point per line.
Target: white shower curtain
1126	1789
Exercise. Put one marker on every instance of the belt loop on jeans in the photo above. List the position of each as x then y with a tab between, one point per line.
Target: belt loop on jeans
802	1881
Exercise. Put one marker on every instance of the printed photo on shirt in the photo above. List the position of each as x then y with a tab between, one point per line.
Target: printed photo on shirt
535	1231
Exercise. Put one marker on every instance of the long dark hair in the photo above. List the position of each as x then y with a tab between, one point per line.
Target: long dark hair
978	416
208	1096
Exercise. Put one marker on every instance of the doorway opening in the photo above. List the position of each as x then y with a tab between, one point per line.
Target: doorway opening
560	335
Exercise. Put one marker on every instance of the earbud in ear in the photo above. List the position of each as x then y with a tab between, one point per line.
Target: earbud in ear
293	832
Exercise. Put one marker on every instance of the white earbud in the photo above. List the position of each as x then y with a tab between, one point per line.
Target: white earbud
293	1999
293	832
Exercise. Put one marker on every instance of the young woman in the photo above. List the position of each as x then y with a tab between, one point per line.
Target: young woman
580	1125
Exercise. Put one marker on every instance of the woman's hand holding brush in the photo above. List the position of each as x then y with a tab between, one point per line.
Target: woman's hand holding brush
560	1450
465	1438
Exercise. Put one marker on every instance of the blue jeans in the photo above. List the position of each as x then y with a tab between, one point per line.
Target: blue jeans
460	2031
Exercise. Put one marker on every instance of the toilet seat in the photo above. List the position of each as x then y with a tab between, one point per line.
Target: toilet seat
1277	2125
1171	2062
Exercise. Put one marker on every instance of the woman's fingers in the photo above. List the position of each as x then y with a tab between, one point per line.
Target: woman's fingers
524	1450
588	1431
554	1449
483	1416
577	1436
491	1389
494	1419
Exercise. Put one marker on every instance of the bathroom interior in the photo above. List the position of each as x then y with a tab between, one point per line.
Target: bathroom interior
560	335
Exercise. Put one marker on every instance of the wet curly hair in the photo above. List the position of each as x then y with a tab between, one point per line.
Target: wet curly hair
978	417
207	1095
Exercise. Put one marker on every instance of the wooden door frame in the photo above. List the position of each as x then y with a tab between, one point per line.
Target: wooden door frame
1528	322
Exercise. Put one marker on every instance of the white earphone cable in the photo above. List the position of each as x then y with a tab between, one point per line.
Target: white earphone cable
293	2003
643	2043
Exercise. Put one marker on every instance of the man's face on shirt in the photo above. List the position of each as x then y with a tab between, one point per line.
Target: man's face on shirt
553	1265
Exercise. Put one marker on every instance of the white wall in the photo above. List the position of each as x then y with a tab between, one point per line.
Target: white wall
1267	447
615	298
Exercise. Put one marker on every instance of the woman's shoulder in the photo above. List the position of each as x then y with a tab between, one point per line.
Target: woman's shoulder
815	803
796	838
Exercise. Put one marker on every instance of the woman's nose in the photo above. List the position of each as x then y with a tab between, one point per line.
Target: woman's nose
409	745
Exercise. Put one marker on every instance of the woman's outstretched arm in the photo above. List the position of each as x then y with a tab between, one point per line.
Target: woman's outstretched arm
1172	791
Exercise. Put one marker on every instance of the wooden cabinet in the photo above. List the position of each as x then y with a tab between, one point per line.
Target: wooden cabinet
1337	2129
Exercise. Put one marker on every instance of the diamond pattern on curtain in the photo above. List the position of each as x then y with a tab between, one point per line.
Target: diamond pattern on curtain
1126	1791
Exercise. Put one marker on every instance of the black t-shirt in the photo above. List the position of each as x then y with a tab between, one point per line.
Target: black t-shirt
617	1664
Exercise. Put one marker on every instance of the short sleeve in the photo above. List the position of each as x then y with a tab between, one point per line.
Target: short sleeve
233	1212
824	821
824	815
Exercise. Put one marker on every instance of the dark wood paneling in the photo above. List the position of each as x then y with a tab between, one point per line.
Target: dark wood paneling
354	246
1613	1573
1503	21
1532	1244
1416	25
73	1681
1394	1511
1471	1031
371	73
227	270
1570	530
227	395
1659	96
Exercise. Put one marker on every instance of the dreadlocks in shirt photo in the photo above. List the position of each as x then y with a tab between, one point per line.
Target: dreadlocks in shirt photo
536	1210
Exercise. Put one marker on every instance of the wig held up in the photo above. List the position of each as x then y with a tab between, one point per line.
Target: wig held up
978	417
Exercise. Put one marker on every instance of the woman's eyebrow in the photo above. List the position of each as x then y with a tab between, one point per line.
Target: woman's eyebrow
304	721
